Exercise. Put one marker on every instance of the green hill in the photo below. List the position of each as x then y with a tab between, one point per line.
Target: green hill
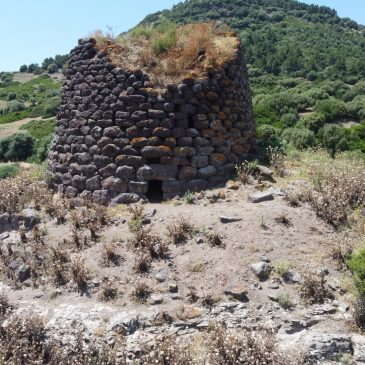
307	67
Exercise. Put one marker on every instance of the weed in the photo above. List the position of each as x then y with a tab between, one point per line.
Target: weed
277	160
263	224
293	199
192	295
107	291
79	273
246	170
189	197
283	219
214	239
196	267
359	313
136	222
162	318
341	253
143	263
180	231
338	188
109	254
285	301
313	288
283	270
208	300
5	306
141	293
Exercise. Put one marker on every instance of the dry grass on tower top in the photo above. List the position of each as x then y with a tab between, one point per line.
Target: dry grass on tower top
170	52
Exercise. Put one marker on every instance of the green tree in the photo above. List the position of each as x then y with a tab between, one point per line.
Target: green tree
23	68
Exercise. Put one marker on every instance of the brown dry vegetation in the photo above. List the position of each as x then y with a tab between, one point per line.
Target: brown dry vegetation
171	52
144	245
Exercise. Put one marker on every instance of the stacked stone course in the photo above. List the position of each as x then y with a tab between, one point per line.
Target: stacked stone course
117	132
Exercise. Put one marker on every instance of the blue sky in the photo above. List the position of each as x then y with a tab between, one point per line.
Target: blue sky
34	29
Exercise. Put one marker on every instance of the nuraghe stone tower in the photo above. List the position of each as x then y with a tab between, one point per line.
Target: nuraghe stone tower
119	138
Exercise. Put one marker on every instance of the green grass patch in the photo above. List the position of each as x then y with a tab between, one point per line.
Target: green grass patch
8	170
39	129
13	117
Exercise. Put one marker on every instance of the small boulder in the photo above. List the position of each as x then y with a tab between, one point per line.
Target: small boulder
162	274
260	197
225	219
261	269
237	292
156	299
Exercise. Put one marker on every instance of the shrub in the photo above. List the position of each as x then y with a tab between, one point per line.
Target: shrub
265	115
141	293
165	40
250	348
11	96
246	170
313	122
333	138
268	136
23	68
331	109
17	147
285	301
338	187
8	170
359	313
180	231
43	148
52	68
50	109
283	270
39	129
289	119
189	197
12	106
356	263
313	288
299	137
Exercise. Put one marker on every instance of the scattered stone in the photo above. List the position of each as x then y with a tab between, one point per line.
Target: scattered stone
358	343
237	292
23	273
264	259
261	269
175	296
233	185
265	171
161	275
199	240
225	219
277	192
260	197
322	345
273	296
191	312
156	299
4	236
151	213
322	309
173	288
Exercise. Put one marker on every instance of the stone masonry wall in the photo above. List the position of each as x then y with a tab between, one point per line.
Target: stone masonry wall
117	134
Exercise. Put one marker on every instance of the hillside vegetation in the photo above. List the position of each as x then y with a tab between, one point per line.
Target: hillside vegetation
34	98
306	66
